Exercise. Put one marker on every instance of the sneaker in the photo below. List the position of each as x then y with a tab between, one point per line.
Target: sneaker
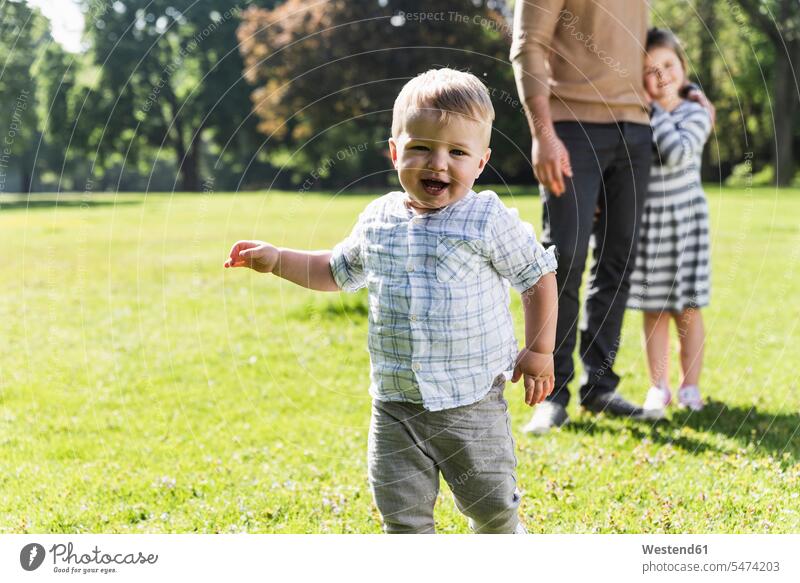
547	415
689	397
658	398
611	403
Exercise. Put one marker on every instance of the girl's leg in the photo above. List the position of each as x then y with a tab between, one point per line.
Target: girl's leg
692	338
656	341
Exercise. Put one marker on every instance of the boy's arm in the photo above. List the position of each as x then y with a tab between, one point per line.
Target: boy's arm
518	257
540	306
310	269
535	360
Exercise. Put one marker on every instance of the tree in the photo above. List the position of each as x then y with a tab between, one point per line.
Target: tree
327	74
166	80
779	20
729	59
23	34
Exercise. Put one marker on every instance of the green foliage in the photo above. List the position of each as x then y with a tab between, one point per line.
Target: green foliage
728	57
159	100
23	35
150	390
744	177
168	83
327	75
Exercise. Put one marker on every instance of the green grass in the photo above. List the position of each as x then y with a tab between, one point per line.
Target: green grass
145	389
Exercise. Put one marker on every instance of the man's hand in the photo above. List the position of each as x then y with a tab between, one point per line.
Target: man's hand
699	97
537	368
550	161
257	255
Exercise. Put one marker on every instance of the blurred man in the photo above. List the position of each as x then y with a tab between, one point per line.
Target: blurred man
579	71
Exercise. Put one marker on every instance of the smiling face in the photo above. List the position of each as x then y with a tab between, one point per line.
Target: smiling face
663	74
437	159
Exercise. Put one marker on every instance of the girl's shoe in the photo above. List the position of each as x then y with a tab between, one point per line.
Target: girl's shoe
689	397
657	400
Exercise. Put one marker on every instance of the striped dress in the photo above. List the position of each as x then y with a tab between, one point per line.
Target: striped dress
672	270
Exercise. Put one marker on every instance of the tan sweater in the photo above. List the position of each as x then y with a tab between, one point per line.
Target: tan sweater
587	55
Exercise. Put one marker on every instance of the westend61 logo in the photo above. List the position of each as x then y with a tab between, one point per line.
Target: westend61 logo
32	556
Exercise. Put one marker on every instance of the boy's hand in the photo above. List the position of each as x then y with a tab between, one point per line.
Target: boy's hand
537	368
256	255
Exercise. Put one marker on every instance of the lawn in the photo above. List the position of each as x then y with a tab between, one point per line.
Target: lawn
143	388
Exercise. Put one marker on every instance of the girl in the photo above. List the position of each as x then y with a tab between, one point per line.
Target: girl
671	278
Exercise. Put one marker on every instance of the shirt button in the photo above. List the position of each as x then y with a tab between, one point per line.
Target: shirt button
409	268
416	366
413	317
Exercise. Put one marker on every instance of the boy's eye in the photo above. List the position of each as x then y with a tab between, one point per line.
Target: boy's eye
458	152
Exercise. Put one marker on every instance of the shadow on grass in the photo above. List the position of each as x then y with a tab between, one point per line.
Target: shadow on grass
22	204
660	432
346	306
775	434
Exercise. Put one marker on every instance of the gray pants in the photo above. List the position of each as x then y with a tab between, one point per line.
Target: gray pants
471	446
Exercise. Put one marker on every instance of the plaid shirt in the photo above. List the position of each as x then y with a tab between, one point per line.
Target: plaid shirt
440	328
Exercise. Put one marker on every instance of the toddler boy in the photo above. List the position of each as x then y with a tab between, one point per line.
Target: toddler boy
436	260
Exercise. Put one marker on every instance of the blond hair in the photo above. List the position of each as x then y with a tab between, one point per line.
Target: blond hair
444	91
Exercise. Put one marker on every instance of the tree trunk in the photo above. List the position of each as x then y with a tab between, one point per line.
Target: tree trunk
25	180
187	159
189	168
706	10
782	34
784	112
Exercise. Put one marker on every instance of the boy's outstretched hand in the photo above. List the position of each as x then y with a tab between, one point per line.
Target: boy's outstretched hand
537	368
256	255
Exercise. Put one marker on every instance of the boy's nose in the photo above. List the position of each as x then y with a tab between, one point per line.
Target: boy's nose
437	161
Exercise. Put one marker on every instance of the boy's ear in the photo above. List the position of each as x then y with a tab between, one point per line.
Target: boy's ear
393	151
484	160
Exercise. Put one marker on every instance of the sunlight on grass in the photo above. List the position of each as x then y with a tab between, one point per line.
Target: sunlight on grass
145	389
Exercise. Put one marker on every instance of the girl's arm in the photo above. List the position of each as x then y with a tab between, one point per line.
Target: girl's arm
679	144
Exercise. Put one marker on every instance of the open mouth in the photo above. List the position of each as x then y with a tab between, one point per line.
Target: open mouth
434	186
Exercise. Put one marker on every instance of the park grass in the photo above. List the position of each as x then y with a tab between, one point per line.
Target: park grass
145	389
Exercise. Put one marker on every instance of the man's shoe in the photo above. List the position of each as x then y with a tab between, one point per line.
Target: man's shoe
611	403
548	415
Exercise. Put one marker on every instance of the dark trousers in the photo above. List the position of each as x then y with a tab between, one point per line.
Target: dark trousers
603	203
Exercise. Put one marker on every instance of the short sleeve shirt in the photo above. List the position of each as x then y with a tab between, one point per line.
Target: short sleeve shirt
440	328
